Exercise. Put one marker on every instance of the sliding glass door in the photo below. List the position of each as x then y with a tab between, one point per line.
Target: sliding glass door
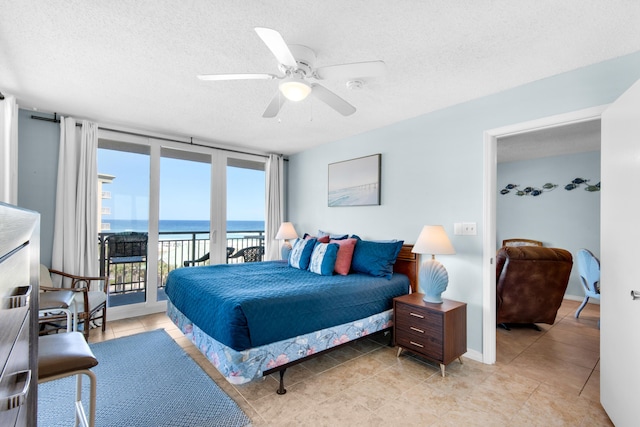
245	208
167	205
124	220
184	214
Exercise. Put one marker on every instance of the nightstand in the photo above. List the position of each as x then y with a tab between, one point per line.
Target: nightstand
436	331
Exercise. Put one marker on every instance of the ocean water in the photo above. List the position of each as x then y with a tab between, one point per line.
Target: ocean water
120	225
355	196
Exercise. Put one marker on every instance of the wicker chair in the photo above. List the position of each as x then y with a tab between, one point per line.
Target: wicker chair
250	254
205	257
126	248
90	297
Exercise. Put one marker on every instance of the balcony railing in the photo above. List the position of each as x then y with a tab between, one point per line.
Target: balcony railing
128	274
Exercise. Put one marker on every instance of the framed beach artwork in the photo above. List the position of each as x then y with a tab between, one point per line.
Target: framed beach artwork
355	182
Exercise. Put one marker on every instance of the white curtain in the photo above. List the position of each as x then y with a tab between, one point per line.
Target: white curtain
9	150
75	236
275	205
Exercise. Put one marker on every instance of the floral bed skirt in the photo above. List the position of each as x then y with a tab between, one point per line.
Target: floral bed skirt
240	367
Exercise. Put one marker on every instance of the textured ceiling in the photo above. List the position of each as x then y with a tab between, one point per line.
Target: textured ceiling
554	141
133	63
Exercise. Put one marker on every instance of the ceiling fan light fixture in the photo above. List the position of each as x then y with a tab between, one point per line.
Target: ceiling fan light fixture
294	89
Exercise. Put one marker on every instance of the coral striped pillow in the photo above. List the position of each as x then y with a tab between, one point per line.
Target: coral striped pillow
345	253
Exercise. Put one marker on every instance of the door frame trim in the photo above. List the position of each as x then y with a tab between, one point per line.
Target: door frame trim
490	152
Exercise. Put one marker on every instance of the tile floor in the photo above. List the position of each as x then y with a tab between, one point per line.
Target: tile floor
547	378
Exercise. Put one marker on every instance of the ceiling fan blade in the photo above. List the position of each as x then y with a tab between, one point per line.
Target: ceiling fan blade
356	69
274	106
277	46
332	100
209	77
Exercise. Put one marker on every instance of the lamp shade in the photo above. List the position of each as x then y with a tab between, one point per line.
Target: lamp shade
294	88
433	240
286	231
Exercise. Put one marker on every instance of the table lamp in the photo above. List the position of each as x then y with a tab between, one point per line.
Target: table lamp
286	232
433	276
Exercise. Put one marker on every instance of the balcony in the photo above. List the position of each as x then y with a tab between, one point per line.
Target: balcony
126	261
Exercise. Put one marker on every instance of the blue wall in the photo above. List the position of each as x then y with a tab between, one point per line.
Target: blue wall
559	218
432	170
38	144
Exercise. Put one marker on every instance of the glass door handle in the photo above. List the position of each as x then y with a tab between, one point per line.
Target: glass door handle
635	295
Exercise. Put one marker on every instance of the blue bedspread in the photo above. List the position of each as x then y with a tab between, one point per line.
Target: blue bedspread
252	304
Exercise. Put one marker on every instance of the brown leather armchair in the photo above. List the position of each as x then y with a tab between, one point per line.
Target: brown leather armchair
531	282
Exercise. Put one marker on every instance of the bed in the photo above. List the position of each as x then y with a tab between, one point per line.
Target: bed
254	319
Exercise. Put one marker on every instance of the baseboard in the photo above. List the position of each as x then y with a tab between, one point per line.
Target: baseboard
135	310
474	355
581	298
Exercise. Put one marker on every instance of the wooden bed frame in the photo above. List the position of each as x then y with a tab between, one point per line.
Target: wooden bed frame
406	263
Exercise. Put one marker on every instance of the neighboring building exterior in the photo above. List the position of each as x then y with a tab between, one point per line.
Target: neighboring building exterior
103	210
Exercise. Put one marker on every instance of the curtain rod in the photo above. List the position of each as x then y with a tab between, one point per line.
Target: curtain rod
56	120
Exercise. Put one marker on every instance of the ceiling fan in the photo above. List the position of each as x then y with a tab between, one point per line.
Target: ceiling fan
297	63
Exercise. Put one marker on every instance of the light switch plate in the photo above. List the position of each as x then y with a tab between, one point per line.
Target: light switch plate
457	228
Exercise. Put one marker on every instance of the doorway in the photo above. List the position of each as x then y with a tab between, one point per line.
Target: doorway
490	205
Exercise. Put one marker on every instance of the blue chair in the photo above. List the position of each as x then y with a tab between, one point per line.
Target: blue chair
589	270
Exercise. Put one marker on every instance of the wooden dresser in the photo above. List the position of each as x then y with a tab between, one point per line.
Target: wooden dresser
19	287
436	331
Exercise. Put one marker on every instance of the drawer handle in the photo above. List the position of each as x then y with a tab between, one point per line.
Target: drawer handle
417	330
17	399
417	315
20	299
416	344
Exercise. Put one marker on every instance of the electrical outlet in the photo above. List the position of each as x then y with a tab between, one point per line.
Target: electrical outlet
469	229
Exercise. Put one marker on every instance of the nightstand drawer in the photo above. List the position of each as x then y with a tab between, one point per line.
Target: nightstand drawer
407	317
424	344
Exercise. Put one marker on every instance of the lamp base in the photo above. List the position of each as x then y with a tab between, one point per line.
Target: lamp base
433	280
285	250
433	299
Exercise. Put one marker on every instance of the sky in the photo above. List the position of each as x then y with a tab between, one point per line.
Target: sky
184	188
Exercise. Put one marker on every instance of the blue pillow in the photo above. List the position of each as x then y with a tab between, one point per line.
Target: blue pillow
323	258
332	236
284	252
375	258
301	253
355	236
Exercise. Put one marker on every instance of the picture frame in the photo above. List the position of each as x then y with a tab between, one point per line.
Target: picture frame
355	182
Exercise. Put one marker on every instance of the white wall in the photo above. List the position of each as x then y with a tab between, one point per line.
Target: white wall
432	170
559	218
